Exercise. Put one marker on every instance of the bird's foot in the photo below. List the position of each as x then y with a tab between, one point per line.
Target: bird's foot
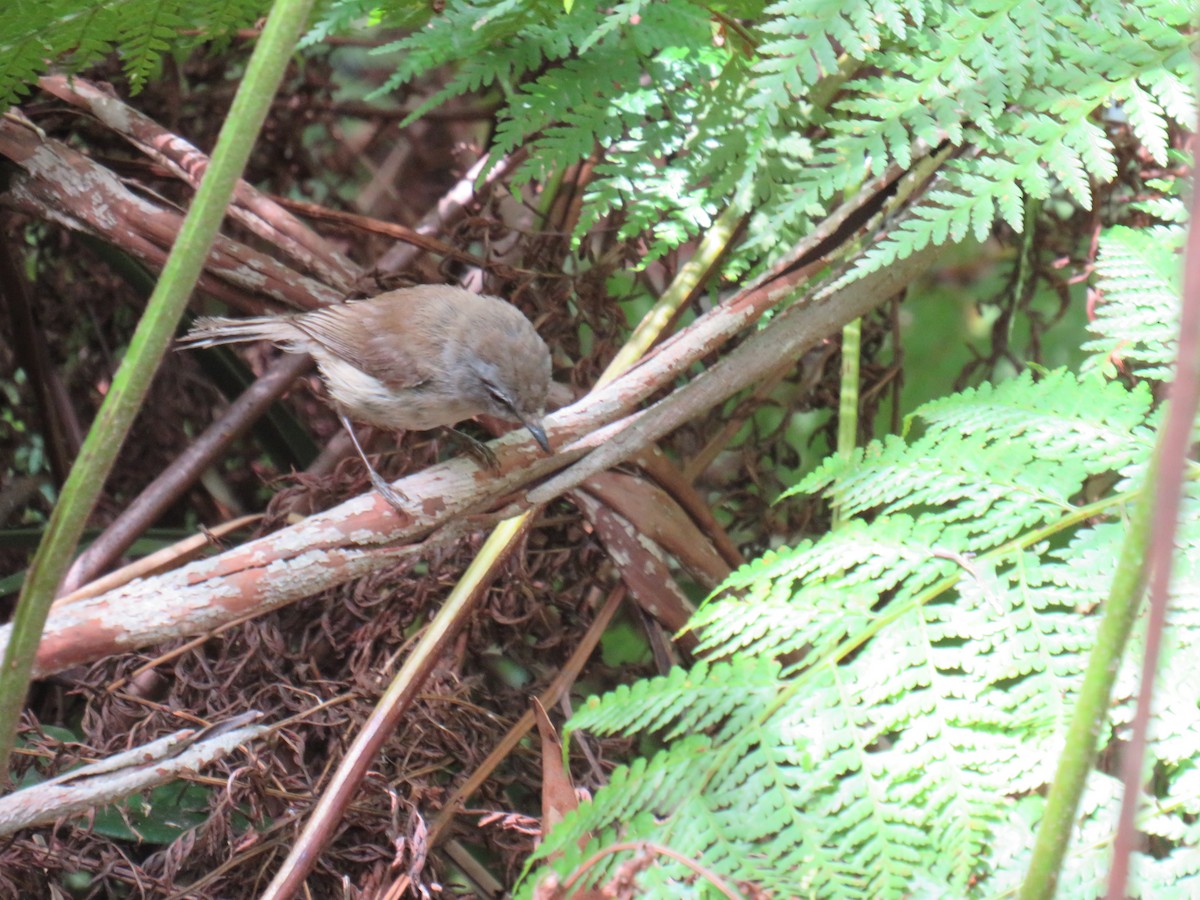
394	498
481	452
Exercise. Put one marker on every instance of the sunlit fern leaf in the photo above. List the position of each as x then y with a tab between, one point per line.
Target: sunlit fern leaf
1138	279
892	697
1005	83
73	34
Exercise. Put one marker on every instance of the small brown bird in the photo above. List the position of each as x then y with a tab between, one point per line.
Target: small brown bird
411	359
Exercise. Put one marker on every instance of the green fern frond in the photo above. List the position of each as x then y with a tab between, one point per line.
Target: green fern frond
819	594
1020	112
995	461
72	34
348	16
1022	88
1138	276
683	702
216	19
149	30
934	645
494	43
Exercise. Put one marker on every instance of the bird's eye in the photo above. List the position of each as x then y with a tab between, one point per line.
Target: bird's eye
498	395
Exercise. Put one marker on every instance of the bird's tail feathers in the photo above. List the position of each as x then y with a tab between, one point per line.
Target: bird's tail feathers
209	331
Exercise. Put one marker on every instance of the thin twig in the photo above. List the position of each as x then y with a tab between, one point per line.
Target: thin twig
558	687
450	209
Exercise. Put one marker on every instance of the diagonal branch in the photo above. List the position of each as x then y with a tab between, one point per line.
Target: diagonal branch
57	183
256	211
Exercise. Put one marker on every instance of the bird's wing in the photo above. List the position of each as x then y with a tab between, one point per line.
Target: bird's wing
359	333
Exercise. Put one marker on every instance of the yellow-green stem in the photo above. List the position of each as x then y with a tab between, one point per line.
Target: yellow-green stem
1091	709
847	434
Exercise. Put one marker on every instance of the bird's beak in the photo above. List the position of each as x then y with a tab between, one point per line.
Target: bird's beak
539	435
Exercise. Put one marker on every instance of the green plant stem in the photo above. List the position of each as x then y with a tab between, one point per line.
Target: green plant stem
847	434
150	341
1091	709
548	195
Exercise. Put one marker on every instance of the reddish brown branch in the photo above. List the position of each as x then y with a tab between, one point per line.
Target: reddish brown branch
256	211
370	225
57	183
790	334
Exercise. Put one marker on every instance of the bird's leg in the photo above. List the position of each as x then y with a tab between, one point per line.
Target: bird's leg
389	493
482	452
